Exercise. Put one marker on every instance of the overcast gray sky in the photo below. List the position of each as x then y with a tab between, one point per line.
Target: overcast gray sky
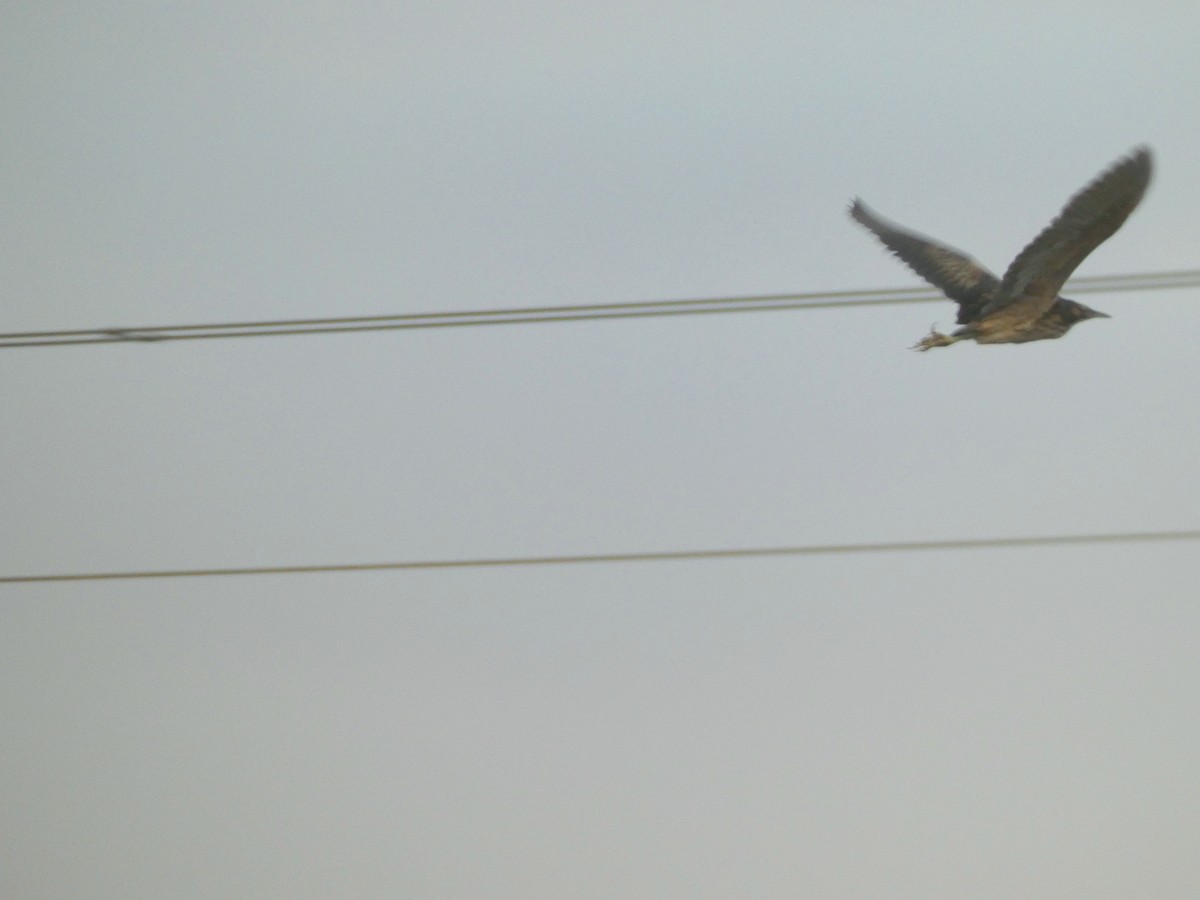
1000	723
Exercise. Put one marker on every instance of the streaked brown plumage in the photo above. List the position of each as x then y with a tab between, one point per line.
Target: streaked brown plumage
1024	305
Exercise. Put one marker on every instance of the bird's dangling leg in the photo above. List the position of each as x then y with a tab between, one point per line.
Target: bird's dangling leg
934	339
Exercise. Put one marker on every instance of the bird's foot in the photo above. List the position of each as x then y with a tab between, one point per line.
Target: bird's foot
934	339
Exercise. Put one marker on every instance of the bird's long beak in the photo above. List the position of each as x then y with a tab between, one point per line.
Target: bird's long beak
1100	315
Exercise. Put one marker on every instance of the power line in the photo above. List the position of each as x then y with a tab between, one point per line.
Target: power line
1144	281
661	556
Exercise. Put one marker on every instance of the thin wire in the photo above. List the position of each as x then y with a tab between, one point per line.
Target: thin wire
1187	278
668	555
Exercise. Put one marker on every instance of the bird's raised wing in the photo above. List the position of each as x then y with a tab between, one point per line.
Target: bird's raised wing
1090	217
962	279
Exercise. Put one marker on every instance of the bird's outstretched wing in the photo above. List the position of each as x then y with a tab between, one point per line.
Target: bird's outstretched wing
961	278
1090	217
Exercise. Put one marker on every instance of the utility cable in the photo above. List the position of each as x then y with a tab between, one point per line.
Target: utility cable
1144	281
1142	537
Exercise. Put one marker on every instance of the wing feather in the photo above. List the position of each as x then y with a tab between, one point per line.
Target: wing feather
954	273
1090	217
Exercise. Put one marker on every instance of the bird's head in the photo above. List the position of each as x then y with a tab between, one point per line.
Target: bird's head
1077	312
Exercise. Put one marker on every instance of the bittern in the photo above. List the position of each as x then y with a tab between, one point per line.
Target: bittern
1024	305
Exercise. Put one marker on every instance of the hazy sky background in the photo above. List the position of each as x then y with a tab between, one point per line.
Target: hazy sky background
1006	723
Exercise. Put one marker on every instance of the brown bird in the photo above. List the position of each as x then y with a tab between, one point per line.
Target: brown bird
1024	305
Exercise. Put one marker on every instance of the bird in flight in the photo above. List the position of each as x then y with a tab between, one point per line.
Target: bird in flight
1024	305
